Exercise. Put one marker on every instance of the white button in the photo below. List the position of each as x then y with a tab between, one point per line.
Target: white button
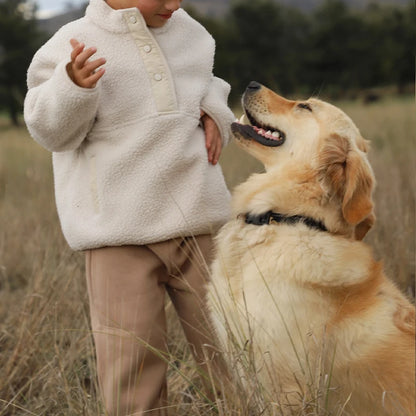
158	77
147	48
133	19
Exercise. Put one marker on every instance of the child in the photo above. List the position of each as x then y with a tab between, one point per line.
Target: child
126	101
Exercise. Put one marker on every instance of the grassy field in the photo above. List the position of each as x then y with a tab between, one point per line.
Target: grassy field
46	352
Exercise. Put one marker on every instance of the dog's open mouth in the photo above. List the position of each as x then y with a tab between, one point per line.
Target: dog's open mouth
249	128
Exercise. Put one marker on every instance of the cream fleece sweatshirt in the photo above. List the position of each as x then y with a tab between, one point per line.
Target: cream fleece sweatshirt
129	157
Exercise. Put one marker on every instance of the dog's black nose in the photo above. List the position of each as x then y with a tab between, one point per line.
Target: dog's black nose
253	86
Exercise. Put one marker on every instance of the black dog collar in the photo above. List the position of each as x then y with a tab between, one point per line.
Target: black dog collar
273	217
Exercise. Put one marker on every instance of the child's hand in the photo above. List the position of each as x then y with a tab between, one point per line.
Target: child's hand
213	141
83	72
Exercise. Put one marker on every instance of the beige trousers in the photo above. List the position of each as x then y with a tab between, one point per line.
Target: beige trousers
127	287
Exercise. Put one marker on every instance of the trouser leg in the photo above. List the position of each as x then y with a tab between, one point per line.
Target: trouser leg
127	315
188	269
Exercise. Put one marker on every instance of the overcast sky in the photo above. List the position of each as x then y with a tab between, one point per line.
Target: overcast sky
48	8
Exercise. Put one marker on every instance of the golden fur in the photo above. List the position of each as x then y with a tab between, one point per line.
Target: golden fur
310	313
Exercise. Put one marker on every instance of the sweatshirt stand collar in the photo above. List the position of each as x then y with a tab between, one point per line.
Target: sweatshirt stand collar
113	20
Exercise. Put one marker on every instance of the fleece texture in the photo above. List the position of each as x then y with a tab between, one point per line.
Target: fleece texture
129	157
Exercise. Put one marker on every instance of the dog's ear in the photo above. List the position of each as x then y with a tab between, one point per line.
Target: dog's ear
357	205
364	226
350	177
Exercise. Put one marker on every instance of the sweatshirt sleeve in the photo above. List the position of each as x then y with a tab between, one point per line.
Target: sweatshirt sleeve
215	105
58	113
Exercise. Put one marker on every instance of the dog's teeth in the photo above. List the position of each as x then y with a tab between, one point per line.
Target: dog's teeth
275	134
269	133
243	119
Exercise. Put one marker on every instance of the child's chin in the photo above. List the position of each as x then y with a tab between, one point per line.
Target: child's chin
155	23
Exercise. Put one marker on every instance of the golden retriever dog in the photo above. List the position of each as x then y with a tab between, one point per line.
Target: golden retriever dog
299	304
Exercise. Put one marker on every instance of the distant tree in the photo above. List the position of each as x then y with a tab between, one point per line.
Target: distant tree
341	46
405	71
395	36
19	39
260	41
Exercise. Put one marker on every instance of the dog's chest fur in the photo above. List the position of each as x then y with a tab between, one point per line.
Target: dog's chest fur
269	279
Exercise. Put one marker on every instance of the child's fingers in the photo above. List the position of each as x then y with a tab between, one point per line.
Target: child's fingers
74	43
92	80
212	140
76	52
91	73
217	153
210	150
213	147
208	139
211	155
209	144
82	58
93	66
214	151
77	48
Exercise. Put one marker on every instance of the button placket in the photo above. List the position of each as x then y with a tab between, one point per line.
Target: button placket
155	64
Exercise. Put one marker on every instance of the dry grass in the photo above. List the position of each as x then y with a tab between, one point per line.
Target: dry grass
391	128
46	353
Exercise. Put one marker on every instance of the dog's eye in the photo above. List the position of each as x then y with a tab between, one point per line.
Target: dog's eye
305	106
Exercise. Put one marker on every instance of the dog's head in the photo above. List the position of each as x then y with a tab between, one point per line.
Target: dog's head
315	159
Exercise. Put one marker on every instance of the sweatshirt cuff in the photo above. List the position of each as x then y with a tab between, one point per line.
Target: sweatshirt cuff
215	105
59	113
